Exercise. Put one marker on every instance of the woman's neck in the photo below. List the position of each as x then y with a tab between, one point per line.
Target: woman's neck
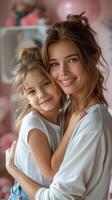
79	103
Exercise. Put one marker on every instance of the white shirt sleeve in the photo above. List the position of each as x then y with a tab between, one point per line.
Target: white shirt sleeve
77	173
29	122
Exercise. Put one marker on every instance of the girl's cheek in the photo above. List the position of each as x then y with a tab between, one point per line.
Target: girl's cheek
53	73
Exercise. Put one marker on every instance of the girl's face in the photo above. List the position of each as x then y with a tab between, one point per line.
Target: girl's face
41	92
66	67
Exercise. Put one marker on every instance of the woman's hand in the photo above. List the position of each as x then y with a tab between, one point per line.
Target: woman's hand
9	157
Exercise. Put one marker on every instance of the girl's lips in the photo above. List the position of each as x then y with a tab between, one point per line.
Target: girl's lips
45	100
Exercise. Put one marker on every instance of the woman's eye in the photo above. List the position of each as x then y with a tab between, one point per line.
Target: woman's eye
73	60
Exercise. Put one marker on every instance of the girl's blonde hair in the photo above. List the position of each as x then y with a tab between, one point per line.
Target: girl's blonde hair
29	59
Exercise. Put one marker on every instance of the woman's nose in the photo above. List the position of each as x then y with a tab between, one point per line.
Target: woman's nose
63	68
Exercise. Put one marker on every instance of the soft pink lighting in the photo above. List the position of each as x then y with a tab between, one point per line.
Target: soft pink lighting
92	8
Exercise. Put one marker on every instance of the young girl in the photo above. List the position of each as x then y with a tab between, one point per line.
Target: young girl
37	154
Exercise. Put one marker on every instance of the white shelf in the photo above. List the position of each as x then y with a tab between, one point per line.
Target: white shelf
12	39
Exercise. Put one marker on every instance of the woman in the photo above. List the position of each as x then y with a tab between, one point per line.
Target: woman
74	56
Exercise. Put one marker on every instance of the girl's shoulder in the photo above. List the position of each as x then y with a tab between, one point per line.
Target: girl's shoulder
32	118
31	115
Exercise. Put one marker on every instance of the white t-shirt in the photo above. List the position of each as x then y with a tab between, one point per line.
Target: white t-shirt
23	158
86	169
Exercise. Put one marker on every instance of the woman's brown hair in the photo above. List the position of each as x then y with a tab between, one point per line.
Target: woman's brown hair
76	28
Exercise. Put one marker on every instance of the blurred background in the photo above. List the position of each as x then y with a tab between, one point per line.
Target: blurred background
23	23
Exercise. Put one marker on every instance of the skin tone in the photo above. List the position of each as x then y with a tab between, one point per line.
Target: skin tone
43	95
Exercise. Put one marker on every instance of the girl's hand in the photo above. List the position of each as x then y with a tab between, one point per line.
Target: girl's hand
9	157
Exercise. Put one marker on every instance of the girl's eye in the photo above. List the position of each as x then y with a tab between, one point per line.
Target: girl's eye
53	65
31	92
46	83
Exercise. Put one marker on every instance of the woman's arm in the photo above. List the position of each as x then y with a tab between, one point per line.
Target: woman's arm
75	171
58	155
47	161
29	186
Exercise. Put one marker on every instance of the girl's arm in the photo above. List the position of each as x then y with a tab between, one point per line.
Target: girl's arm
47	161
29	186
42	154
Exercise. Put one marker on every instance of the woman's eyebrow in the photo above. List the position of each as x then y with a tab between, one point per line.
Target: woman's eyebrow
71	55
68	56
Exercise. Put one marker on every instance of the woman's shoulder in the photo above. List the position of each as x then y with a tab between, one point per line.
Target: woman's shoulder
93	120
98	113
97	118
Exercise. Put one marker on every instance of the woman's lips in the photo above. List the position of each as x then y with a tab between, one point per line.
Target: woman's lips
67	82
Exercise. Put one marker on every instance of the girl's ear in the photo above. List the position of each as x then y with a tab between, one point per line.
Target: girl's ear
25	94
25	97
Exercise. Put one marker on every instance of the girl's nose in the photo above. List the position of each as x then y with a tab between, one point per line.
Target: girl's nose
40	93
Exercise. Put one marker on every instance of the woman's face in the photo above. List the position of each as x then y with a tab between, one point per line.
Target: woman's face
66	67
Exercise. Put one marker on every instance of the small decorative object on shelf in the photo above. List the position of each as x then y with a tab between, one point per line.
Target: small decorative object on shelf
26	13
25	27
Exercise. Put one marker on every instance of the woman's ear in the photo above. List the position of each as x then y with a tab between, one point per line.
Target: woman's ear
96	58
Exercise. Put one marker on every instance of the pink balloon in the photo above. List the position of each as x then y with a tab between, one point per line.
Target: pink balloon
107	10
4	181
92	8
69	7
5	107
10	22
5	186
6	141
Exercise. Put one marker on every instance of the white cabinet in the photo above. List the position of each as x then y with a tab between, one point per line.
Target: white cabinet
12	40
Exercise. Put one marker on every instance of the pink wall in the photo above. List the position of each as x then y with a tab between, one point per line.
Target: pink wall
4	9
100	25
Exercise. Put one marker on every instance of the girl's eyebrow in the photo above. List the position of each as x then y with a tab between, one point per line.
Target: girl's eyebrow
71	55
30	88
53	59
